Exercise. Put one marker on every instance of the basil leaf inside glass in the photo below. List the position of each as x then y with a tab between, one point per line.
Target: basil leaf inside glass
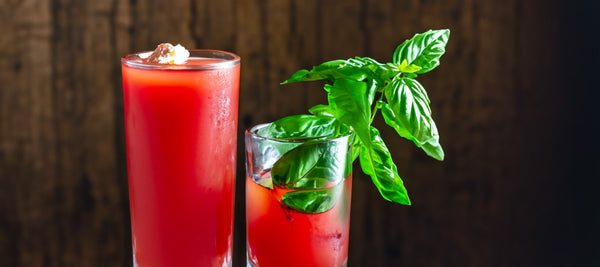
313	201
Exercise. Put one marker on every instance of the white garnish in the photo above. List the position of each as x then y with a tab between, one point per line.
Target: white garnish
166	53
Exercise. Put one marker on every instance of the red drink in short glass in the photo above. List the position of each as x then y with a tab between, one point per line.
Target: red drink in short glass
277	235
180	124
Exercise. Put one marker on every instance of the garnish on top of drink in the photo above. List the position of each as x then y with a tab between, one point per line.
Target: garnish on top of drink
166	53
358	89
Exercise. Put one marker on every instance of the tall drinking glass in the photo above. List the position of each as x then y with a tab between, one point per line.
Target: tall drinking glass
297	214
180	125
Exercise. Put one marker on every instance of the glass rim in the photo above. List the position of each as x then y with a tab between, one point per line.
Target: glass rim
253	132
228	60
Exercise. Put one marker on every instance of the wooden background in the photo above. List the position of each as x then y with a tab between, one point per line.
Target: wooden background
513	100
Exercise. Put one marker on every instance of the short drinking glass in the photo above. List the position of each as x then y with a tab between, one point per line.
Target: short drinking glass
297	200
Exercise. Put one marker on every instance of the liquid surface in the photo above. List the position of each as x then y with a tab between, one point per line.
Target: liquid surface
200	59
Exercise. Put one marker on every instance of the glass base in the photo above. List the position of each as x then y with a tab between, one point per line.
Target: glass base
249	264
225	264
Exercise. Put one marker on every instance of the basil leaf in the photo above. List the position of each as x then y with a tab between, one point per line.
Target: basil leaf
348	100
294	164
423	50
407	111
313	165
376	161
301	126
376	73
315	200
372	89
433	148
297	76
330	71
356	147
332	166
406	68
321	110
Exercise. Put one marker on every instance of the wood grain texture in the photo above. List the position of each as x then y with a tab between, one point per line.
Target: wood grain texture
515	189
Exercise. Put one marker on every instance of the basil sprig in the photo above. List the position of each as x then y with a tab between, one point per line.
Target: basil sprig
357	89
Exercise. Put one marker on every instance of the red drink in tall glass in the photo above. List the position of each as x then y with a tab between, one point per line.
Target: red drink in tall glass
181	123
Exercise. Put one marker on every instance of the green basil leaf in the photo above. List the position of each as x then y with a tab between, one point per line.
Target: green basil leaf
297	76
314	200
331	166
376	72
423	50
372	89
376	161
410	75
357	69
433	148
294	164
356	147
406	68
301	126
330	71
321	110
407	111
349	101
370	66
314	164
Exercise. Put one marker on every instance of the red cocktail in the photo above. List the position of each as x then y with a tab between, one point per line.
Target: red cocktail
283	235
180	123
279	236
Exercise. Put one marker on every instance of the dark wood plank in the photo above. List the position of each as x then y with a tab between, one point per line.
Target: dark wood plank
28	152
157	22
92	192
250	45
